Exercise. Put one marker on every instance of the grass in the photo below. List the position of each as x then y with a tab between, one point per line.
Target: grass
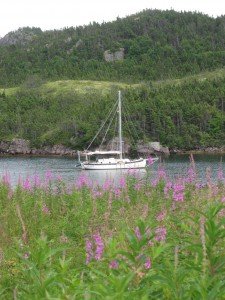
146	238
62	87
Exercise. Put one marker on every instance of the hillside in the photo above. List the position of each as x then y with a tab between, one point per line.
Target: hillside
148	46
188	113
57	86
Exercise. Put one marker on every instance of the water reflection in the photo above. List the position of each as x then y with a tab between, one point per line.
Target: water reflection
175	166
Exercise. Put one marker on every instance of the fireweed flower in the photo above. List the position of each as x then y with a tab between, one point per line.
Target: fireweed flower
96	194
99	246
178	192
148	264
48	176
107	185
6	178
199	186
27	184
59	177
117	192
161	173
220	175
45	209
137	233
37	181
150	161
191	175
26	255
114	264
167	188
138	186
160	234
83	181
122	182
161	216
89	251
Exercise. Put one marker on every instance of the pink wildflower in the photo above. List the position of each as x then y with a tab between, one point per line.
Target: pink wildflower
191	175
178	192
220	175
150	161
114	264
45	209
37	181
48	176
161	173
167	188
6	178
99	246
223	199
160	217
160	234
96	194
83	181
148	264
59	177
122	182
107	185
27	185
26	255
137	233
137	186
117	192
89	251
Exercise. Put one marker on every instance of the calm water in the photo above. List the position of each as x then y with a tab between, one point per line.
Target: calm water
175	166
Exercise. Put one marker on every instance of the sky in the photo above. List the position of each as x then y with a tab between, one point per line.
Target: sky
57	14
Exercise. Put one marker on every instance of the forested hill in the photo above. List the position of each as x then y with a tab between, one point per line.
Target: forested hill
150	45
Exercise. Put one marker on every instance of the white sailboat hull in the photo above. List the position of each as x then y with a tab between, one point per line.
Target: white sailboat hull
117	164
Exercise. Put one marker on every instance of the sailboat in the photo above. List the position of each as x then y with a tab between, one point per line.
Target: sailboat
113	159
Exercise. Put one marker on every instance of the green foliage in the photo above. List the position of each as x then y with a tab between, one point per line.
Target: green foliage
42	249
185	115
158	45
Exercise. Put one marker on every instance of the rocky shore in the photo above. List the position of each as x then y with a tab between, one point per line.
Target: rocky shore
22	147
200	150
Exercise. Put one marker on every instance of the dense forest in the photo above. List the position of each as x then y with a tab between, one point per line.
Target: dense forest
157	45
155	49
185	115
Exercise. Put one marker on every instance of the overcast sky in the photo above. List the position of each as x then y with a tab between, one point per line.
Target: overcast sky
56	14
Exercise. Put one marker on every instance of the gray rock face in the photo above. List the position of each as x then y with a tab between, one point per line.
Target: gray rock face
143	149
110	57
79	43
20	36
150	148
19	146
22	147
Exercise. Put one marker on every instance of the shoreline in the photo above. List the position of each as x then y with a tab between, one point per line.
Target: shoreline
75	156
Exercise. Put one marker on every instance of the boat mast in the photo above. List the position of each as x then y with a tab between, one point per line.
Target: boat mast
120	127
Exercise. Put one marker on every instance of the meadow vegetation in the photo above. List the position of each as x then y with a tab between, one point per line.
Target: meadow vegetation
144	238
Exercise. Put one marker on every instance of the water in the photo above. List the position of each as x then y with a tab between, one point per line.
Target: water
175	166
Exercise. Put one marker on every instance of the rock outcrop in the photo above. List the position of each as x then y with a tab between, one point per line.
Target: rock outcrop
22	147
19	146
143	149
152	147
21	36
115	56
